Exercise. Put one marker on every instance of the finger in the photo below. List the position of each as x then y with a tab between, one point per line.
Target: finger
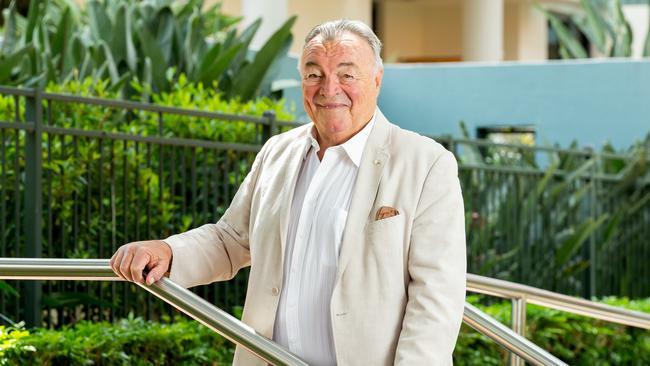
112	260
140	261
157	272
125	264
116	260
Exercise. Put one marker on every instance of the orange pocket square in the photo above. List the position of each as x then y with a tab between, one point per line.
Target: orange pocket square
385	212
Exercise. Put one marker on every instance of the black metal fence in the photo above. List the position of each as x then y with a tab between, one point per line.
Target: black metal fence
81	176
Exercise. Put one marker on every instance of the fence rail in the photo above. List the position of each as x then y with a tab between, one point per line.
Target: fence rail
99	173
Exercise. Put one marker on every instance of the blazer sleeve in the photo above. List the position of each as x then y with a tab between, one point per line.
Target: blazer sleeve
437	269
217	251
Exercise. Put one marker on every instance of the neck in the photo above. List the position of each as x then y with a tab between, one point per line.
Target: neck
326	141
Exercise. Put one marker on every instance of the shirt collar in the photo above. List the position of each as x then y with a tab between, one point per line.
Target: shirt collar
353	147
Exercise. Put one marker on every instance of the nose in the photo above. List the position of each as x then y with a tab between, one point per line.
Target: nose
330	86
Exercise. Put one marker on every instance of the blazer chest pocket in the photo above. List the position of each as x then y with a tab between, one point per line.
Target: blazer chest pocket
387	235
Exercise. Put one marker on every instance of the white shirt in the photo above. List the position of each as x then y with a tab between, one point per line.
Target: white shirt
319	211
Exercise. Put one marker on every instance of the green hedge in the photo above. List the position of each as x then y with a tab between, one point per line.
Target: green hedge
132	341
576	340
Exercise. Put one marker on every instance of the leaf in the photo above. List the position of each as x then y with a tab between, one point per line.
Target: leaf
86	66
623	33
191	43
131	54
612	228
8	289
573	269
152	50
572	48
571	177
119	83
110	63
573	243
119	37
62	38
165	33
593	26
77	52
101	26
265	85
245	39
213	72
11	36
207	59
542	185
7	64
248	80
33	16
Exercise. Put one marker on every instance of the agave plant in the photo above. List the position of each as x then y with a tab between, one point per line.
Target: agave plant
152	41
604	25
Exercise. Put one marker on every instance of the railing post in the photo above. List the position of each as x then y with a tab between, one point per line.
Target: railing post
593	212
518	326
33	204
270	127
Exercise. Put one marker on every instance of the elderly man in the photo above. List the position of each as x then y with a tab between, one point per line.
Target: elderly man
353	227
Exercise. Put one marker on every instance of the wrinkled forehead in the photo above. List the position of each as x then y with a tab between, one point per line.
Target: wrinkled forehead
348	48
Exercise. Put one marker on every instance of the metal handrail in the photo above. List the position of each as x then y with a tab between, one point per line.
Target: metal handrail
170	292
228	326
553	300
506	337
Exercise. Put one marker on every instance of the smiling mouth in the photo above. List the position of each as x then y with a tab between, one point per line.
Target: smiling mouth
331	106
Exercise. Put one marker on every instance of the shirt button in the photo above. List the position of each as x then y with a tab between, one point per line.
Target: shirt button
275	291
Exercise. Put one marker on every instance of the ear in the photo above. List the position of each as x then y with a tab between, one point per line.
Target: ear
378	77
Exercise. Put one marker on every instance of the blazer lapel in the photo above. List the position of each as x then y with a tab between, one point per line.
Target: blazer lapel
374	158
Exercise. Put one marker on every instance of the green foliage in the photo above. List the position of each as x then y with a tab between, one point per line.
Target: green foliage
536	225
574	339
12	342
100	193
152	41
131	341
604	25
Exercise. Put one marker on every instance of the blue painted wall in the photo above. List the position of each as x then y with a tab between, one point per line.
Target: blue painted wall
592	101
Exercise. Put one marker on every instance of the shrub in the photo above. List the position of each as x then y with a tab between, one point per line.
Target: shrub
574	339
132	341
154	41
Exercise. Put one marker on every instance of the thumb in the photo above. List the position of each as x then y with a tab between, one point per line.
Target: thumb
156	273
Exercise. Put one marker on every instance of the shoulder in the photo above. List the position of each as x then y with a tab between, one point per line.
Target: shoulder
410	147
280	142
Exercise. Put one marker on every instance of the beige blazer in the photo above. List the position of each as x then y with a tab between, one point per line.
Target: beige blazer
400	285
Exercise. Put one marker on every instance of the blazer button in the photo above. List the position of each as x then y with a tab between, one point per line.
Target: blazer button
275	291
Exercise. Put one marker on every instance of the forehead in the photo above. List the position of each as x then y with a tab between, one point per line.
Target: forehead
346	48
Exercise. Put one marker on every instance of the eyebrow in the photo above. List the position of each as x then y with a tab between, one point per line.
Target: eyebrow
342	64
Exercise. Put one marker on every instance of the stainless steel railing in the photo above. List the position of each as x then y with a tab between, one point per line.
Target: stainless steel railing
522	294
170	292
230	327
553	300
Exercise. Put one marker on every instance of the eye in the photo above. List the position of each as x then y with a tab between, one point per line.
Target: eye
312	76
348	76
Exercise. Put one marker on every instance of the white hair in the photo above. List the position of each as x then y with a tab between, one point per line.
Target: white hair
335	29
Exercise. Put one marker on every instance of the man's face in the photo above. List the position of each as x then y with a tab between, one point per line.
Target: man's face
340	85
